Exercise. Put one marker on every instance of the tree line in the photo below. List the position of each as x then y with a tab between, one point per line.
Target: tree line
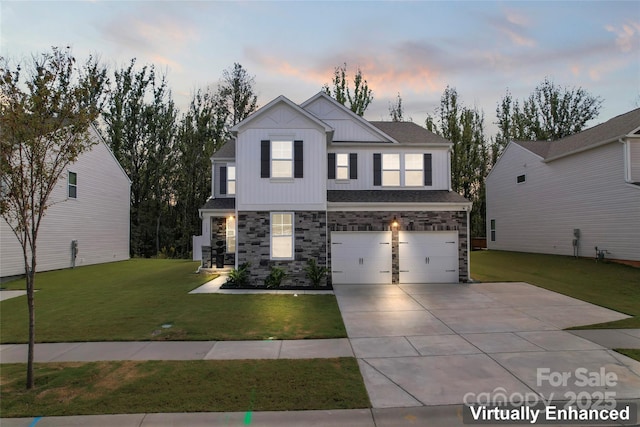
166	153
48	104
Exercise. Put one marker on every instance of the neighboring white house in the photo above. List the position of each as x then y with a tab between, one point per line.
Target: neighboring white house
569	196
370	200
90	206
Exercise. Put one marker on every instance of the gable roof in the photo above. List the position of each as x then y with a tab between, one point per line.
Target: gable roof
541	148
347	113
281	100
409	133
604	133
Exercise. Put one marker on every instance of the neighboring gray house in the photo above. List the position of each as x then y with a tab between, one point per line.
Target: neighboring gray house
89	205
569	196
370	200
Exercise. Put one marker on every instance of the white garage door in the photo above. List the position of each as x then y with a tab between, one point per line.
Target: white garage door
428	256
361	257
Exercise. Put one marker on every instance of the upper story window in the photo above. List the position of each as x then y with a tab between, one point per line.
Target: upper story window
416	168
413	165
342	166
231	180
282	159
521	178
391	170
72	185
228	180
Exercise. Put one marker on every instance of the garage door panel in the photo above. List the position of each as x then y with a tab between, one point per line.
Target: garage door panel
361	257
428	257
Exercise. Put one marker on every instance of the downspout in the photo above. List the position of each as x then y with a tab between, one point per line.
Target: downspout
449	167
468	245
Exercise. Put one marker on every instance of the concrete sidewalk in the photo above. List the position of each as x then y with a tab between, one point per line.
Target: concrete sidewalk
179	350
424	416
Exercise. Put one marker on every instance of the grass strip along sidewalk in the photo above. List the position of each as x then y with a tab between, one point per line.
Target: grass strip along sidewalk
607	284
131	301
182	386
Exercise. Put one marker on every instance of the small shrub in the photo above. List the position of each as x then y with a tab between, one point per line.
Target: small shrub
316	273
275	277
239	277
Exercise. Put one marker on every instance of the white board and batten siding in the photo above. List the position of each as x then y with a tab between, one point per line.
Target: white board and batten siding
255	193
346	127
98	219
585	191
439	162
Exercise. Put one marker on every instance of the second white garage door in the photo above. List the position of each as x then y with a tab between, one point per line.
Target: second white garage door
362	257
428	256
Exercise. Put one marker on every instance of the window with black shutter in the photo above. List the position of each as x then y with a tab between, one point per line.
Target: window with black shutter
298	159
265	159
223	180
428	169
377	169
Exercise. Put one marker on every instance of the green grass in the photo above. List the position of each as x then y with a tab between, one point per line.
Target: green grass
633	353
188	386
609	285
131	300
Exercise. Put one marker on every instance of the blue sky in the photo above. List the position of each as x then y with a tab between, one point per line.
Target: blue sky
413	48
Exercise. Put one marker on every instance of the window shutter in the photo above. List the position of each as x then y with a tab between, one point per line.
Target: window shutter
353	165
427	169
297	159
331	166
223	180
377	169
265	159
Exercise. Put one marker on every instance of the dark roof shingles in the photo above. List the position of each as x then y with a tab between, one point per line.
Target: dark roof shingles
409	133
394	196
610	130
228	203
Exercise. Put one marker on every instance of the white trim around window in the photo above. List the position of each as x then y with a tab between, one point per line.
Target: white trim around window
342	166
413	170
282	236
72	185
282	159
391	170
231	180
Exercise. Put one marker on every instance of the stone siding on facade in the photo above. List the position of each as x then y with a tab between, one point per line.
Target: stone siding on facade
253	245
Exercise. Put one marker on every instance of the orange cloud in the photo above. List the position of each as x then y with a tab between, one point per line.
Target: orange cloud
628	35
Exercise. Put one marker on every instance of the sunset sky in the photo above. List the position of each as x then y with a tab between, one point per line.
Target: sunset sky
413	48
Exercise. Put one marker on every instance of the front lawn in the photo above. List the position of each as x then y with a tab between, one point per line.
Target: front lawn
610	285
127	387
132	300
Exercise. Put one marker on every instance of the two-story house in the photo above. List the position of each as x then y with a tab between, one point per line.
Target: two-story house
88	218
569	196
370	200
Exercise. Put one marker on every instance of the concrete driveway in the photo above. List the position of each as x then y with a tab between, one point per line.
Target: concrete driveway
424	345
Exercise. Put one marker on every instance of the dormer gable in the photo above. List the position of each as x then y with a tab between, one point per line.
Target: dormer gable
282	113
348	125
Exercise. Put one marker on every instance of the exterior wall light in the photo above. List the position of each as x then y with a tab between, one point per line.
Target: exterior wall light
394	223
